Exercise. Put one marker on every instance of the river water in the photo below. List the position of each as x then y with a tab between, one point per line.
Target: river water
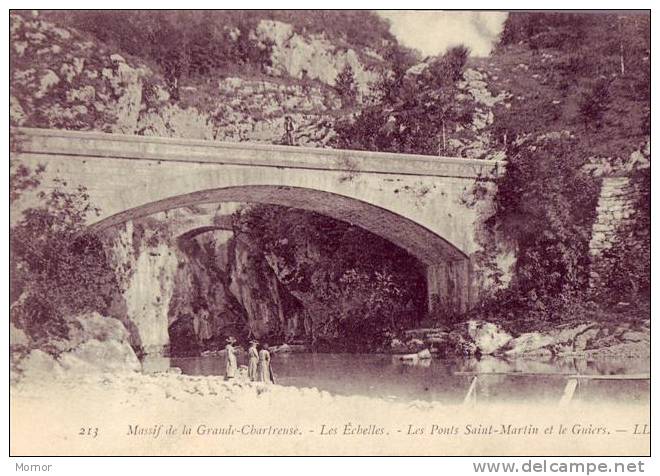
385	376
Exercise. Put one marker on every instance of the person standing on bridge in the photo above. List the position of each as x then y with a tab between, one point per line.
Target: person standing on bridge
232	365
288	130
253	361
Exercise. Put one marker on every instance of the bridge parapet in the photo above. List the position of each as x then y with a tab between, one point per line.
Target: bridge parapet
161	149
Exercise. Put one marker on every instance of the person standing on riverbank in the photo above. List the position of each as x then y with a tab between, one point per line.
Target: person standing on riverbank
253	361
265	371
232	365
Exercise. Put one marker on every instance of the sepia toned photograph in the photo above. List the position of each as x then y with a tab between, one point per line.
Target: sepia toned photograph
329	233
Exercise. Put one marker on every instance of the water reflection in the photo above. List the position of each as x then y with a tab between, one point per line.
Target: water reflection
386	376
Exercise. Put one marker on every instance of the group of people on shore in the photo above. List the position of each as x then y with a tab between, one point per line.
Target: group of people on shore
259	367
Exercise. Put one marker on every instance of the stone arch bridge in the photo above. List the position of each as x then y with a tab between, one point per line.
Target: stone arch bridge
419	203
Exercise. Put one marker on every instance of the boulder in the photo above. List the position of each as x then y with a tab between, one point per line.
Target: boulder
39	365
621	329
17	338
415	345
424	354
458	345
424	332
488	337
582	340
568	333
528	343
436	337
397	347
97	356
93	325
282	349
88	326
635	336
298	348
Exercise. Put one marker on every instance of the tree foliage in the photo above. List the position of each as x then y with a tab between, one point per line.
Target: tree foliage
56	268
346	87
546	204
182	43
588	74
411	113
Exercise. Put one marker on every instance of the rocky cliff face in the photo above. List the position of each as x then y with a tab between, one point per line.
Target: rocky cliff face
62	78
202	308
145	267
314	56
183	293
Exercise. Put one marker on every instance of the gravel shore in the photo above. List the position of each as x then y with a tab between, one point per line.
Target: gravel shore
170	414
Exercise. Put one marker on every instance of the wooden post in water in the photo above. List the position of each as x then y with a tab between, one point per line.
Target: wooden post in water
471	396
569	390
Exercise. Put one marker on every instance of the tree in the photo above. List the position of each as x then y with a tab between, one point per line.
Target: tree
57	269
412	113
546	204
549	63
184	44
593	105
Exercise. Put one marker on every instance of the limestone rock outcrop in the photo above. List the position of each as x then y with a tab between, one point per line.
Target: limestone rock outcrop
144	266
64	79
314	56
183	290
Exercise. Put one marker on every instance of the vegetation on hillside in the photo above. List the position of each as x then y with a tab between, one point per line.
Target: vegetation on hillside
588	74
579	87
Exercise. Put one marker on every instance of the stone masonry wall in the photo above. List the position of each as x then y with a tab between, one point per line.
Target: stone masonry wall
616	207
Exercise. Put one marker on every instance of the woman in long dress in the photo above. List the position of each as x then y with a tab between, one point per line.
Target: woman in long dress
232	365
253	361
264	365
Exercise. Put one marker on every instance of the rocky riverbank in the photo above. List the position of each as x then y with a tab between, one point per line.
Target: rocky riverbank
622	338
94	344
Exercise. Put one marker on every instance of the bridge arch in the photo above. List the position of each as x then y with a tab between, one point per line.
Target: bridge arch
418	240
447	267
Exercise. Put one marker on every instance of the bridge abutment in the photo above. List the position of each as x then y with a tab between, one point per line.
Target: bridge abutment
448	287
